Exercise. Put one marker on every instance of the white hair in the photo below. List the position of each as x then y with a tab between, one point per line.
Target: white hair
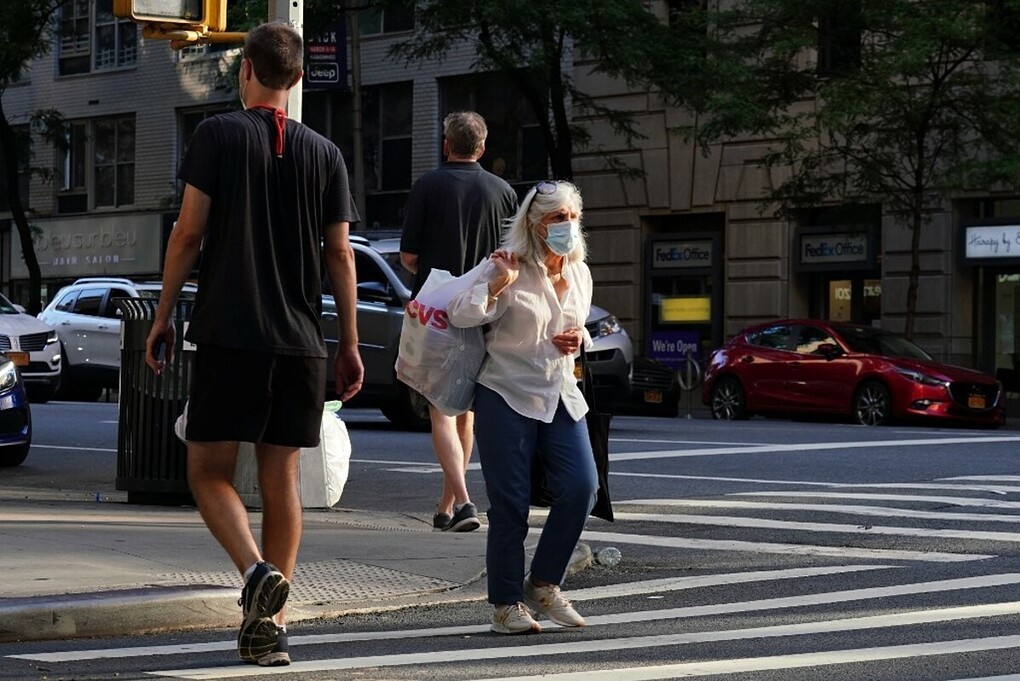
521	235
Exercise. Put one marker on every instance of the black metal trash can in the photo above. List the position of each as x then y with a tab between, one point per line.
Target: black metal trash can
151	460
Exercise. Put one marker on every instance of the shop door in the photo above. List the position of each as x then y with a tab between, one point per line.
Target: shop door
857	300
1007	332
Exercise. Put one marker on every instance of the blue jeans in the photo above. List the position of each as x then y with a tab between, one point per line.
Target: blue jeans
508	445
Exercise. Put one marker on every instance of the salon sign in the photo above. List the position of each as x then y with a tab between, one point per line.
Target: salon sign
992	241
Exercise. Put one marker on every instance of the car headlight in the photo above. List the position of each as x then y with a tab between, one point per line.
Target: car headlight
52	338
8	375
923	379
607	326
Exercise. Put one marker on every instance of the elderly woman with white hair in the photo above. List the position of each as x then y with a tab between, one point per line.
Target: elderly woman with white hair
532	302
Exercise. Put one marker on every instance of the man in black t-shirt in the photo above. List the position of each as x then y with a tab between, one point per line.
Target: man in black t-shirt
454	220
263	197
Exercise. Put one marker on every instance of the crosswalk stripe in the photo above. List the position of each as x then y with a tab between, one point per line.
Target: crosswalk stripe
900	619
655	586
954	501
782	603
809	447
842	509
854	553
994	489
824	658
794	526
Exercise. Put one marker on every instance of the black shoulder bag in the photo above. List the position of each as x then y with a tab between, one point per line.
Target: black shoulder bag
598	433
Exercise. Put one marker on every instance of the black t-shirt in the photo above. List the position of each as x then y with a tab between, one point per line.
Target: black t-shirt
455	217
260	279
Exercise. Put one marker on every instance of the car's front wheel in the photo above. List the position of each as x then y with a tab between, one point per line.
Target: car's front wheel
13	456
409	410
872	404
728	403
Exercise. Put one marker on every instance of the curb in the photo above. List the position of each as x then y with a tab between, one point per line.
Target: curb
161	609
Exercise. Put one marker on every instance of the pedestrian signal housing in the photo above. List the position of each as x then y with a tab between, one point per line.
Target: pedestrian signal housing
175	14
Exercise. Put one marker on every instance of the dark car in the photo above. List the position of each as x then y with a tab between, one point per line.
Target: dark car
814	367
15	414
384	287
654	390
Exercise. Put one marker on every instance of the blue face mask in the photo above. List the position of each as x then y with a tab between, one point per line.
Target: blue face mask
563	237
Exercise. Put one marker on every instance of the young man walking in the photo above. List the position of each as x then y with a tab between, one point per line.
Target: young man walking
453	221
263	195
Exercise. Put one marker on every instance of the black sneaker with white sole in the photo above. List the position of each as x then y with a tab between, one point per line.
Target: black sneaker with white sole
280	657
263	596
465	519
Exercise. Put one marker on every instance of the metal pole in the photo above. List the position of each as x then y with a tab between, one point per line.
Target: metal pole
290	12
359	152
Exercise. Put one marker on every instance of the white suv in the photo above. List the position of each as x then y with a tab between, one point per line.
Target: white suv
34	348
88	323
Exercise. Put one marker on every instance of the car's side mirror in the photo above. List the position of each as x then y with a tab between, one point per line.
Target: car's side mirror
374	292
20	308
830	350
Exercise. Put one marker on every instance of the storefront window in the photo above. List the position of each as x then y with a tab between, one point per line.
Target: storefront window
1007	305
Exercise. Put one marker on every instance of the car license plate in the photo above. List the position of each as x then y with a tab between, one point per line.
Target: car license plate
20	359
976	401
653	396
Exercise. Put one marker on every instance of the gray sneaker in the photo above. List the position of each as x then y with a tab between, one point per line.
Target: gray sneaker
465	519
440	520
514	619
548	601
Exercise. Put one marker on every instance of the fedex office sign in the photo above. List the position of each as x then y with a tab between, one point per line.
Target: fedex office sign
681	254
427	315
826	248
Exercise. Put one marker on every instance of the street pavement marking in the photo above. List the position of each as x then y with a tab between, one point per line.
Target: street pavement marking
824	658
75	448
795	526
780	603
656	586
1004	478
880	511
901	619
953	501
994	489
810	447
854	553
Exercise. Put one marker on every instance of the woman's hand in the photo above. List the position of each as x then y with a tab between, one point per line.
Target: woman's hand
569	341
506	268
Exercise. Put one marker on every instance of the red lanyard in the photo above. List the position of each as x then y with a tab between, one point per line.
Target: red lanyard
280	119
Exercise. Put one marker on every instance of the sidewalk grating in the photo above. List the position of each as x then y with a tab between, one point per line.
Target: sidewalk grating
329	581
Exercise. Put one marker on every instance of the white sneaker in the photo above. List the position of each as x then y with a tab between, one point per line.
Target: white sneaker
513	619
548	601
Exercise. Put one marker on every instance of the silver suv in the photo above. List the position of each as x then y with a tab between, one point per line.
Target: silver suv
384	287
88	323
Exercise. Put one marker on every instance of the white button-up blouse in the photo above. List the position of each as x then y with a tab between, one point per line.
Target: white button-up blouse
522	364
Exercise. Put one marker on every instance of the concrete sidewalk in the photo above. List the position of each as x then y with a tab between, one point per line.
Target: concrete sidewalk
75	568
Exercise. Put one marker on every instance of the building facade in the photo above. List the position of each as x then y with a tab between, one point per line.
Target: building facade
683	254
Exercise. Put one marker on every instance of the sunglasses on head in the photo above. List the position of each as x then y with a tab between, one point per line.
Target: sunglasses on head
543	187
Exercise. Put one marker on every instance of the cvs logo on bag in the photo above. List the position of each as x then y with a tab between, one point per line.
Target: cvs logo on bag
428	316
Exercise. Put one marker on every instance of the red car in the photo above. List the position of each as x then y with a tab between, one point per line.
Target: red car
814	367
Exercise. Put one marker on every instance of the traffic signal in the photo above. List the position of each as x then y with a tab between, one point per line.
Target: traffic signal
175	14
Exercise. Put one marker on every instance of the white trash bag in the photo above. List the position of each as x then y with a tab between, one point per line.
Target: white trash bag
323	468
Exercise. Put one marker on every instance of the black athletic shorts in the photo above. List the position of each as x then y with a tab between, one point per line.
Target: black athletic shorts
245	396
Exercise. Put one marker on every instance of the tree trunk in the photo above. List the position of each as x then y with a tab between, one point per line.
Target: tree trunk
915	271
9	151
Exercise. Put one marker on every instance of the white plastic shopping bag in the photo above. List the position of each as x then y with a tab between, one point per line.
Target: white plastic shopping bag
323	468
436	358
